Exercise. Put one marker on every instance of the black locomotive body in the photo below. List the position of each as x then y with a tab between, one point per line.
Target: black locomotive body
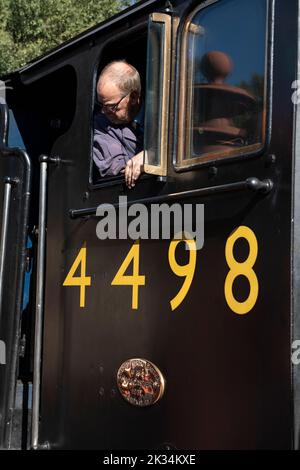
143	344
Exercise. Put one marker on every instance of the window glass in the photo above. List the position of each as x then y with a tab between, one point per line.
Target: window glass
157	96
152	136
223	93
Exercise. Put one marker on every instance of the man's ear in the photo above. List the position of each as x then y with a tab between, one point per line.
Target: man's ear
134	97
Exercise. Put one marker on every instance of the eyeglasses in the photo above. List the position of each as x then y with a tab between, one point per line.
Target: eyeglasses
111	107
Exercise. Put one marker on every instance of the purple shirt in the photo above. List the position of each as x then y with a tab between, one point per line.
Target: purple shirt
113	145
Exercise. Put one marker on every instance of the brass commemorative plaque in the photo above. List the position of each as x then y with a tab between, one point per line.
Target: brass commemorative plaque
140	382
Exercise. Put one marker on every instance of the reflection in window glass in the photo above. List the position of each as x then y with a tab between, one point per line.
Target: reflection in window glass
225	57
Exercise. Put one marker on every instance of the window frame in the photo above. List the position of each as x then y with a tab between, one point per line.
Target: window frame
183	164
161	169
118	180
4	124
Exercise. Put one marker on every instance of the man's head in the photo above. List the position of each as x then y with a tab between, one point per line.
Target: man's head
119	90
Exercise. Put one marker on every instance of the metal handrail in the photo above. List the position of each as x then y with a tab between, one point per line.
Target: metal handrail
39	311
252	184
4	230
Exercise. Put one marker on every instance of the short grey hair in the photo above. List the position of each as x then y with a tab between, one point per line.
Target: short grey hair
123	75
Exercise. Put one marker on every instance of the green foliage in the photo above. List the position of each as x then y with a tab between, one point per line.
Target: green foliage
29	28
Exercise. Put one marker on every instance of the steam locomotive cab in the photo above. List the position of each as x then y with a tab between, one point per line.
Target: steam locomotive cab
156	342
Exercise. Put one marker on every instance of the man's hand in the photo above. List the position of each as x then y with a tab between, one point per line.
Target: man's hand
133	169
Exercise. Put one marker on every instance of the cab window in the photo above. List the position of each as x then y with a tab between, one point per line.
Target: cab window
223	91
131	47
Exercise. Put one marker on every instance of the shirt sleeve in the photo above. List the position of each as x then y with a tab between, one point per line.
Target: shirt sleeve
107	154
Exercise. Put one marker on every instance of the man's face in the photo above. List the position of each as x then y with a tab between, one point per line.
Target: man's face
117	106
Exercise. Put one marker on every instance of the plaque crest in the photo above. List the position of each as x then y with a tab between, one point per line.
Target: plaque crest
140	382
